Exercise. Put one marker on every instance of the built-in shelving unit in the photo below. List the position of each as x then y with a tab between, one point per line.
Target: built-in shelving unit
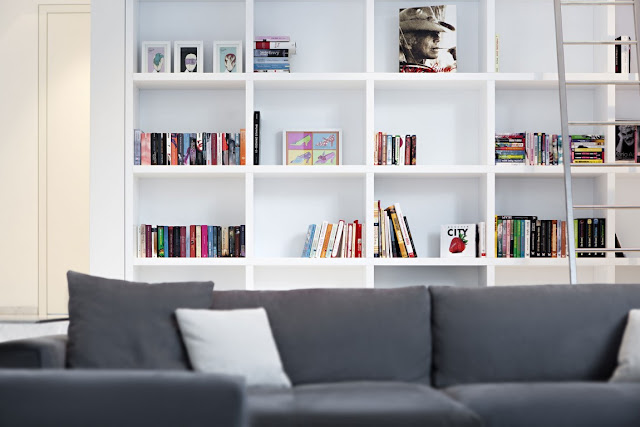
344	76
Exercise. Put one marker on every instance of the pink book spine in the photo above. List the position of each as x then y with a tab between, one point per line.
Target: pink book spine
145	149
205	242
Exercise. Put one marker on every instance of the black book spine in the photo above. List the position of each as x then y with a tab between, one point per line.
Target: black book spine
232	241
602	235
219	240
154	148
199	148
176	242
181	149
238	241
242	242
192	149
581	236
162	148
410	238
256	137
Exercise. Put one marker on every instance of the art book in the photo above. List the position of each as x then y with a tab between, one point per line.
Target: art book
317	147
458	240
427	39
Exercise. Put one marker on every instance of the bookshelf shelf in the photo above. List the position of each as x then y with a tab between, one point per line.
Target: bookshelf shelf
455	117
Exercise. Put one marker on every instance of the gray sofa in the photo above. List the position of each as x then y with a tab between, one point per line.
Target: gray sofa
533	356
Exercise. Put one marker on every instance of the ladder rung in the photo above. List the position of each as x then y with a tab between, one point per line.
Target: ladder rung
608	250
596	3
603	82
611	123
603	42
606	207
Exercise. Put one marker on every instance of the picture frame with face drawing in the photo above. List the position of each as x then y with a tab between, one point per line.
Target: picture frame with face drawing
312	147
155	57
188	57
227	57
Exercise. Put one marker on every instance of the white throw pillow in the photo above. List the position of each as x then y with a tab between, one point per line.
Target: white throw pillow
233	342
628	369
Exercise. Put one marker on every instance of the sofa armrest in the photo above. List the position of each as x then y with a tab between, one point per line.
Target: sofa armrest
35	353
107	398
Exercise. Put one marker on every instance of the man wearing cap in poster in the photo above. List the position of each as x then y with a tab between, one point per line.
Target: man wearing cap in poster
420	30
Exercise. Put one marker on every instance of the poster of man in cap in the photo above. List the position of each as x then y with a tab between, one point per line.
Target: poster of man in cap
428	39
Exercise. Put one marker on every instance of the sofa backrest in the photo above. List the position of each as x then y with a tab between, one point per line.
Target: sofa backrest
528	333
330	335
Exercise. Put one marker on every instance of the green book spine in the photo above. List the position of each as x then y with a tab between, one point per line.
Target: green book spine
160	242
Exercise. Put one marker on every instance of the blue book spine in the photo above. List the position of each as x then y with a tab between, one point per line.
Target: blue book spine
166	239
270	66
270	60
215	241
283	53
237	148
188	244
210	240
242	243
307	244
137	133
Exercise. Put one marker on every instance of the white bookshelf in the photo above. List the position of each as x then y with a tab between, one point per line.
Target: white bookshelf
344	76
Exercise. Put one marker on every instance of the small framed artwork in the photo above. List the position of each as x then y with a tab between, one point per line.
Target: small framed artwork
227	57
155	57
312	147
188	57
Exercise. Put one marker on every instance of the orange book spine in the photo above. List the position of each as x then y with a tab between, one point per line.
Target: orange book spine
325	244
243	145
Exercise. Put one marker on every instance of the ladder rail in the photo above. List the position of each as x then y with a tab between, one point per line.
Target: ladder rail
566	145
636	15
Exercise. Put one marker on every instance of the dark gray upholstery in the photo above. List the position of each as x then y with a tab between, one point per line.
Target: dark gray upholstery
42	353
537	333
569	404
359	404
84	398
116	324
329	335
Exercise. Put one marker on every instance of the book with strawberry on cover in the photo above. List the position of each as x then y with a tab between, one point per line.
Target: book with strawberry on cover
458	240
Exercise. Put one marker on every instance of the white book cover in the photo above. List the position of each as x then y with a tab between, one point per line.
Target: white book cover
482	234
349	241
458	240
527	238
323	232
338	237
387	225
219	149
405	233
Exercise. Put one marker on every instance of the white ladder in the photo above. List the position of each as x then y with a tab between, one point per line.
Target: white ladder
566	146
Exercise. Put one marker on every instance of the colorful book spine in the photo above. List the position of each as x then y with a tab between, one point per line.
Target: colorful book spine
137	148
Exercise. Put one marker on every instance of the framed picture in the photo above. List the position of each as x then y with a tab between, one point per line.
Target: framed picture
155	57
227	57
312	147
188	57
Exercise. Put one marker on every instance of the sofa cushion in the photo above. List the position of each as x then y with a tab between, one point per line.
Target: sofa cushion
115	324
329	335
357	404
584	404
528	333
628	369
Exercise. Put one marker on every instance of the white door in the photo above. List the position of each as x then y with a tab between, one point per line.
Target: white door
64	61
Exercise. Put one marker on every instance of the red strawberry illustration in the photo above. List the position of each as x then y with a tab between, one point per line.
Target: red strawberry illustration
458	244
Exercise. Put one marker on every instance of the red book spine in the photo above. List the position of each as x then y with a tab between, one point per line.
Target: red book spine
183	242
413	150
407	149
358	239
214	149
204	241
148	243
225	150
171	255
236	247
192	241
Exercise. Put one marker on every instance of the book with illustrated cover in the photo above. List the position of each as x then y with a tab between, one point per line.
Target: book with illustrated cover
458	240
427	39
627	143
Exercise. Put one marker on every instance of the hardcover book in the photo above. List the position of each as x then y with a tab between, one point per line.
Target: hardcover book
458	240
427	39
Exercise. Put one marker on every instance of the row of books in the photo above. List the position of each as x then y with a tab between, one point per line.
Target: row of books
201	148
194	241
530	237
339	240
463	240
587	148
271	54
530	148
393	150
392	235
623	56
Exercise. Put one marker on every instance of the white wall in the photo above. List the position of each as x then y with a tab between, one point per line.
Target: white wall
107	138
19	153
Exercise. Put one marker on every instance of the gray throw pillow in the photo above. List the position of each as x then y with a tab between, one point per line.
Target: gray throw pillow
116	324
628	369
233	342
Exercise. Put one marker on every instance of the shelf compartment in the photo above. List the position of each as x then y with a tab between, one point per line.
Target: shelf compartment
626	221
310	109
197	22
470	34
396	276
315	81
227	277
284	208
330	35
545	274
442	140
429	203
309	276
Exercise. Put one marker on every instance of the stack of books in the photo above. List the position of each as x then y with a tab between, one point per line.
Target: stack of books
587	148
271	54
201	148
393	150
194	241
391	233
530	148
339	240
